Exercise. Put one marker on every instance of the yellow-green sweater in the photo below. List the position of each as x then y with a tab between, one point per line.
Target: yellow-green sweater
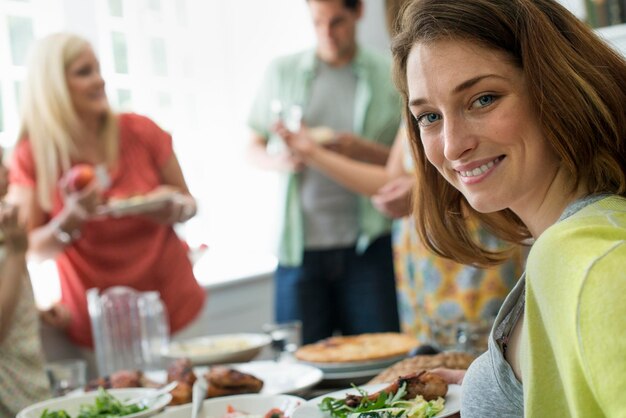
573	354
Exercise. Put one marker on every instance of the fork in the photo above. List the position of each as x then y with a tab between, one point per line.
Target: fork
148	400
199	392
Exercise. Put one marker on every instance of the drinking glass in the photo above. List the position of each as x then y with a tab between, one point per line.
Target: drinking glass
66	375
289	114
472	336
286	338
460	334
444	332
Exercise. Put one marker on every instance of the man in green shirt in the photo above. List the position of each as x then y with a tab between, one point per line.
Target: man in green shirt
335	265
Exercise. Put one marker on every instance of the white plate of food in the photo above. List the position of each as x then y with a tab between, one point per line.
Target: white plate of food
322	134
278	378
452	402
352	353
134	205
240	406
215	349
282	378
355	366
357	377
72	404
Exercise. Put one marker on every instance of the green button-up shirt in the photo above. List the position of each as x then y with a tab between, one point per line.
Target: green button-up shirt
377	112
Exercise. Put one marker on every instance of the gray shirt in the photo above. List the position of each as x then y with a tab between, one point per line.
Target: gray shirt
330	211
490	389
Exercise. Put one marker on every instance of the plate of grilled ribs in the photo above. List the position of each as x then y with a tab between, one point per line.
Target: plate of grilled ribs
264	377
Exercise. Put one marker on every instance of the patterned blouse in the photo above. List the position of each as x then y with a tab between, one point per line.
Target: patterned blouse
22	376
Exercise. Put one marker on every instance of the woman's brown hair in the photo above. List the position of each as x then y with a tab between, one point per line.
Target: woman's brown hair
576	82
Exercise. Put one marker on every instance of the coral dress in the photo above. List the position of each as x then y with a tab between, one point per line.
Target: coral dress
131	250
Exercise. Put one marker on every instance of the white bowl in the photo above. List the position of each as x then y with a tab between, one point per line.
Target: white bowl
214	349
252	404
72	403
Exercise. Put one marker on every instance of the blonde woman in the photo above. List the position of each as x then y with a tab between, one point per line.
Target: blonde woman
66	121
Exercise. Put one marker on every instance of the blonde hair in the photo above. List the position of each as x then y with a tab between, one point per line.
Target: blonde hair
49	119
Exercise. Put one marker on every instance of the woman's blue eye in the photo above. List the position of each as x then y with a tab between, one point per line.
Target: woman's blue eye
428	118
483	101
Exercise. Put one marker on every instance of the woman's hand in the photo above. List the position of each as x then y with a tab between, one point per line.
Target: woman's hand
394	198
179	207
451	376
58	316
15	235
78	206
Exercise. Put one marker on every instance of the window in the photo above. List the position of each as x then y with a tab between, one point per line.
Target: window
21	37
124	99
17	88
181	12
154	5
159	56
115	8
120	52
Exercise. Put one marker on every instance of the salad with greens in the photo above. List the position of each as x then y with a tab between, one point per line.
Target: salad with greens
386	405
105	406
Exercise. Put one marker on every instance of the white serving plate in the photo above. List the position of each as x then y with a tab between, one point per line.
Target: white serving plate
257	404
354	366
278	378
72	403
134	205
311	408
215	349
341	379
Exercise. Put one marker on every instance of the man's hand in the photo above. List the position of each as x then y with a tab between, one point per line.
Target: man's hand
299	143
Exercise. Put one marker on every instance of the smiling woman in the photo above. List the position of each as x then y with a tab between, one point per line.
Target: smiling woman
516	115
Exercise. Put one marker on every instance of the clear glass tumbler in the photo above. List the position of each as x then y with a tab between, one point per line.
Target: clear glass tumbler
286	338
66	375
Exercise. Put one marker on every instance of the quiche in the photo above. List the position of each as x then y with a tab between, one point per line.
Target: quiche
357	348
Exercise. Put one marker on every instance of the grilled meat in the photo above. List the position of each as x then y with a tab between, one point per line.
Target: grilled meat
428	385
181	370
225	381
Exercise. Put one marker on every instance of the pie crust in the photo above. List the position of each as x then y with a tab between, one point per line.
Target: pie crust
357	348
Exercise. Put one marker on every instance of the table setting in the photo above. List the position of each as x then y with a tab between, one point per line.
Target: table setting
271	375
